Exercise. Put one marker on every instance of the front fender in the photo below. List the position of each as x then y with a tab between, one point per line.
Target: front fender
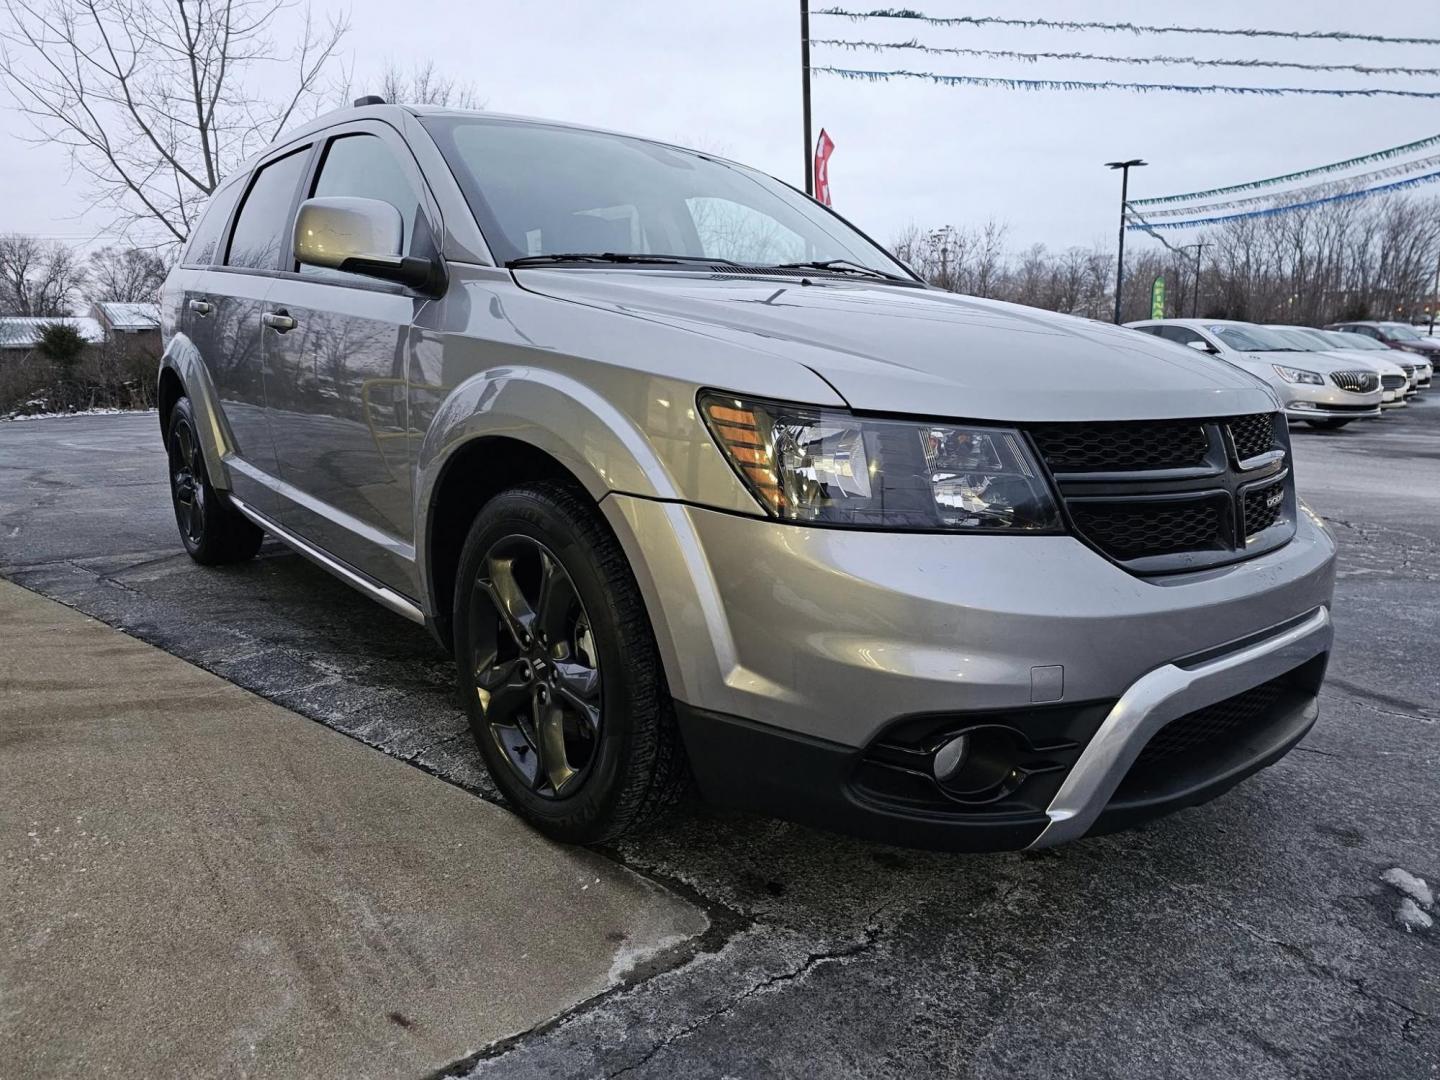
216	439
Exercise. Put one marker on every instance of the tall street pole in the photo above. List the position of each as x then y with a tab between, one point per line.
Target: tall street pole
805	95
1195	303
1435	300
1124	167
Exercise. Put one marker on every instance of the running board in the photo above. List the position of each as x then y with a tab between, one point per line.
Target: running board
356	580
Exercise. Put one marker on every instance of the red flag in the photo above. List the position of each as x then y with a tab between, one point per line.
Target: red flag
823	146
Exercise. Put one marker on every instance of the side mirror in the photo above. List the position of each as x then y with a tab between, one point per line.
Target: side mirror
360	236
1201	346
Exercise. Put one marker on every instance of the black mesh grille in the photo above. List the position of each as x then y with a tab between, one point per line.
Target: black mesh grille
1357	382
1393	382
1205	727
1137	530
1122	447
1260	514
1254	435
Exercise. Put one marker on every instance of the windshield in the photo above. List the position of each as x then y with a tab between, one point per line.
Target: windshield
540	190
1354	341
1400	331
1252	339
1298	338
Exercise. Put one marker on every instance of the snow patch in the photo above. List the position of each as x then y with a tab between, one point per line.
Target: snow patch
13	418
1411	917
628	957
1411	886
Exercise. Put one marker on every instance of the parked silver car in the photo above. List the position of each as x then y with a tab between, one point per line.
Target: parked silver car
695	480
1396	385
1322	391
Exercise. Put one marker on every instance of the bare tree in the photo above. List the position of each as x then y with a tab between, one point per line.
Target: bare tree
157	100
37	277
423	85
130	275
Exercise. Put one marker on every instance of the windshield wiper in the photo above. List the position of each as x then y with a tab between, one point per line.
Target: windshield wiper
616	257
842	266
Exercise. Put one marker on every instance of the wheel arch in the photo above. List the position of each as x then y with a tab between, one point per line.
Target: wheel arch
183	373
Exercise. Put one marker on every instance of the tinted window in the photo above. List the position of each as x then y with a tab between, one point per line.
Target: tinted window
1181	335
362	166
259	236
203	248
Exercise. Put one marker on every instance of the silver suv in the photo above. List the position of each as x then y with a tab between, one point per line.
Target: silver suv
698	483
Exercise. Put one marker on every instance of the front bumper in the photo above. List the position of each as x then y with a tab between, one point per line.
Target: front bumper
1305	401
761	769
819	639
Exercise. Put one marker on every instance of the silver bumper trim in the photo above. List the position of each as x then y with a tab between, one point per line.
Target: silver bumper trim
1163	695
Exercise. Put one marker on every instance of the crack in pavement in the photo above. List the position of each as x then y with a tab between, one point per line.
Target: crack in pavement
869	940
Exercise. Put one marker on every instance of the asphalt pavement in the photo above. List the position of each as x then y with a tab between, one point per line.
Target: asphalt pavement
1255	936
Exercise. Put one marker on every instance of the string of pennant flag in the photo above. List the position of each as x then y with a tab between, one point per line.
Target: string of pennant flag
858	75
1407	166
1120	27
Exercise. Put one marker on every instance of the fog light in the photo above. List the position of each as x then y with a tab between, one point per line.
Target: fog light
1301	405
950	758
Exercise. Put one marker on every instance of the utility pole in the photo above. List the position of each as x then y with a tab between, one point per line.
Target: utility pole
1124	167
1195	303
805	95
1435	300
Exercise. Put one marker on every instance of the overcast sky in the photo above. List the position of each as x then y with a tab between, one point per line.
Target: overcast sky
724	76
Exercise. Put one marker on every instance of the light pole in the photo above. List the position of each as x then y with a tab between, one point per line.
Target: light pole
805	95
1435	300
1124	167
1195	303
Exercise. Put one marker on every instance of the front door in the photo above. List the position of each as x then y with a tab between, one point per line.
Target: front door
228	302
335	347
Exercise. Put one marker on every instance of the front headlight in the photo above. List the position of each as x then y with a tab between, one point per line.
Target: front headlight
807	464
1298	375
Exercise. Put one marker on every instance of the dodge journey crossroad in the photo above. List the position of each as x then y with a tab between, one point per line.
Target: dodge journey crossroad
701	486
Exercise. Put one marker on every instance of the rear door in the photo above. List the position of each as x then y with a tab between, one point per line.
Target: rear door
336	371
234	295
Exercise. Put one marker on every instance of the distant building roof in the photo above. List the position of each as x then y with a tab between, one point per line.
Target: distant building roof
23	331
128	317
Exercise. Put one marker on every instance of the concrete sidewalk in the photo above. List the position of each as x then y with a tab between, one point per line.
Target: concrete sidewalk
198	882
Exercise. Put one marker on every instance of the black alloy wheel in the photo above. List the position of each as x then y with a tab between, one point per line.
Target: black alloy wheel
187	480
212	530
559	670
537	676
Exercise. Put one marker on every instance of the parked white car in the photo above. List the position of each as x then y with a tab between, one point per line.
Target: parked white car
1396	385
1323	391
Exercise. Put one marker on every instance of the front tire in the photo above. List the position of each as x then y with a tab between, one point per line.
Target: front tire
559	670
213	531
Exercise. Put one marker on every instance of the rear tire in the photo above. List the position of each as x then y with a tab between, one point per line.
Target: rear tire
559	670
1328	425
213	531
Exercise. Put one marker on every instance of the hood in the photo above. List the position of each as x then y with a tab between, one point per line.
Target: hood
887	348
1322	363
1427	347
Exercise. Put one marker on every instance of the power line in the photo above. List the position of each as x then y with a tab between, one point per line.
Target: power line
1122	27
1344	196
1192	61
1144	88
1303	174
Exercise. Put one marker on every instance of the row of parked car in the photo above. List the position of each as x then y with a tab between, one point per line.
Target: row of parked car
1325	377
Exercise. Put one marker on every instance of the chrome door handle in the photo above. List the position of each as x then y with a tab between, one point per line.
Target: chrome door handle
200	307
278	321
